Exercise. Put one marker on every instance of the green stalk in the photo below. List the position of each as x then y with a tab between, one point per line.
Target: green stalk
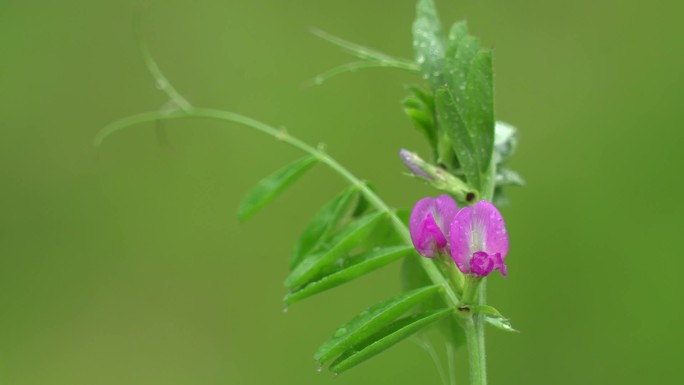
192	112
478	373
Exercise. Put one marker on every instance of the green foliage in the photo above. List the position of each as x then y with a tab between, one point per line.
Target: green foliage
324	224
493	317
453	124
479	107
428	43
419	106
269	188
356	232
313	264
460	77
371	321
361	265
386	338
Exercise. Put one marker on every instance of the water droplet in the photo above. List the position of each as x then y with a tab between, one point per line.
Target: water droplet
318	80
320	369
340	332
285	309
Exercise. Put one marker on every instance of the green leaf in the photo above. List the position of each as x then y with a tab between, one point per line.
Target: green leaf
479	104
462	140
424	96
420	108
346	240
386	338
370	261
428	42
323	224
461	52
370	321
501	323
268	188
457	32
494	317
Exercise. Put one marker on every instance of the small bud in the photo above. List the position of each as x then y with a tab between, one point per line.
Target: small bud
437	177
414	163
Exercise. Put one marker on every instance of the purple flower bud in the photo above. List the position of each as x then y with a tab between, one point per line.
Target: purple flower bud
478	240
430	224
413	162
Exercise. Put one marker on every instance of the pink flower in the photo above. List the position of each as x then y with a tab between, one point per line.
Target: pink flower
430	224
478	240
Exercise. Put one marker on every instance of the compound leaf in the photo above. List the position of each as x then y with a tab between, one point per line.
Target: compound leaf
370	321
369	262
386	338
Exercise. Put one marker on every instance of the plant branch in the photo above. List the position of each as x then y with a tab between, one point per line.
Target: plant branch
428	265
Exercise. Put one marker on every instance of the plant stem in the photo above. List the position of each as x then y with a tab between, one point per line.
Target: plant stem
192	112
479	320
478	374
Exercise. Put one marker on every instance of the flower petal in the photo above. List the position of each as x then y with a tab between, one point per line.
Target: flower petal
430	238
490	229
499	264
446	209
481	264
460	239
430	224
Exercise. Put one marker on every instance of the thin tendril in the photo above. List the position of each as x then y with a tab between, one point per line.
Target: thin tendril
357	49
162	82
354	66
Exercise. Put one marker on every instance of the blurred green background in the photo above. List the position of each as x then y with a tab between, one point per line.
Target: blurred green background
127	265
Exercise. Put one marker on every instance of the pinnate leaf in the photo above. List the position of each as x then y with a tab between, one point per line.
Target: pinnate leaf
369	262
312	265
458	63
268	188
386	338
479	104
371	321
324	223
452	122
428	42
